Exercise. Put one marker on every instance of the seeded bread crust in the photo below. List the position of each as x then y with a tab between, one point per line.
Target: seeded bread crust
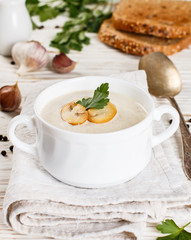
138	44
161	18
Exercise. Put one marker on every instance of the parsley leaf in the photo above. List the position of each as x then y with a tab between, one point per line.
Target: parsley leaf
176	233
32	6
99	100
46	12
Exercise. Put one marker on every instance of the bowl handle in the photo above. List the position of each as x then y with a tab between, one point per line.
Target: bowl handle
158	112
30	123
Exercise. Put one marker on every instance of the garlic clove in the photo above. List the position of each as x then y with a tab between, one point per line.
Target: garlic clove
10	98
63	64
29	56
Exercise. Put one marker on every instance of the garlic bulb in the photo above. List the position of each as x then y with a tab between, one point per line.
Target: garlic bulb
29	56
63	64
10	98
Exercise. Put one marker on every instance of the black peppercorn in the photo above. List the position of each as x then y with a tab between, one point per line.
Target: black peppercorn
1	137
11	148
12	62
170	121
4	153
188	125
5	139
41	27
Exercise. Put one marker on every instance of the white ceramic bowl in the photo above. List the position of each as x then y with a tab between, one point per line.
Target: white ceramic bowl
94	160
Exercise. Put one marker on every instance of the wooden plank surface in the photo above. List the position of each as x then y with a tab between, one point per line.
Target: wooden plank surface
95	59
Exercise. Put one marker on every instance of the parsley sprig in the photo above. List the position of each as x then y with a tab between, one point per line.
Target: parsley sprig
99	99
85	16
175	233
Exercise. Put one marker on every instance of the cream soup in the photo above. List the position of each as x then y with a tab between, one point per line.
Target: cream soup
129	113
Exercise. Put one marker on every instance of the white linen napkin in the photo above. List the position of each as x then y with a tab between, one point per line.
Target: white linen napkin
38	204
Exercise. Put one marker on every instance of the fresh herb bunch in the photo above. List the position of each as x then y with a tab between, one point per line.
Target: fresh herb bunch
175	233
99	100
85	16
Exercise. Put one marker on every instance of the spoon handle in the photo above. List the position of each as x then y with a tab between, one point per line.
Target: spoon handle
186	140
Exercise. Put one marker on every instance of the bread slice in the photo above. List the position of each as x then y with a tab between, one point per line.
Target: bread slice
161	18
139	44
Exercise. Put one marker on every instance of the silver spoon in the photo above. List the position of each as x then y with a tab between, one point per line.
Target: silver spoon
164	81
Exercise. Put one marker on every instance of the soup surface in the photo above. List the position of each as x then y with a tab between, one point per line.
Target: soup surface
129	113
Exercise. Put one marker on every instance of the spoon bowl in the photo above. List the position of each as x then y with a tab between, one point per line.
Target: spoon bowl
162	76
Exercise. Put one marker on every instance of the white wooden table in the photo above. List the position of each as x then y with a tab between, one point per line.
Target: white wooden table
95	59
